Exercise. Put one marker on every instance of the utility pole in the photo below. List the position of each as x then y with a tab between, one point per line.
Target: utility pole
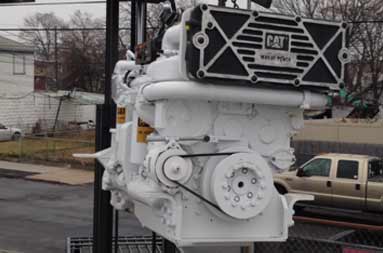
105	119
56	59
56	81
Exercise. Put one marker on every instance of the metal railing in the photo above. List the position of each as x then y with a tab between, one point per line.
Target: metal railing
304	237
131	244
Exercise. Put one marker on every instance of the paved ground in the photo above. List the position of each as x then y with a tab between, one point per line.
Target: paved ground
37	217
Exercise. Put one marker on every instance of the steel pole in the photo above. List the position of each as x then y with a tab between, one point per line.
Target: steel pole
133	41
140	21
105	119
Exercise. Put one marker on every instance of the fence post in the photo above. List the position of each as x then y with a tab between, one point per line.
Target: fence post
47	148
20	142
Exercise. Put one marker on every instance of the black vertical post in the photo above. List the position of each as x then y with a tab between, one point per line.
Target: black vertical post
56	61
105	119
133	40
154	242
168	247
116	223
112	38
346	71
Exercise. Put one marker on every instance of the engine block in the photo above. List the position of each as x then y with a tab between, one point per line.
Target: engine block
196	156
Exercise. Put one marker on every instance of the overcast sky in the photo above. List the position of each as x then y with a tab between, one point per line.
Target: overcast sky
13	16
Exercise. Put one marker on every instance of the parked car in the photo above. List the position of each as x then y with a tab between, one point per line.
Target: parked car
338	180
9	133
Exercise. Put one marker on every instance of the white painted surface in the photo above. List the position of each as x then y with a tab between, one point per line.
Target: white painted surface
25	112
13	80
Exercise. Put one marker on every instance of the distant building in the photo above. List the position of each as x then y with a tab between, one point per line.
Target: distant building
25	101
16	67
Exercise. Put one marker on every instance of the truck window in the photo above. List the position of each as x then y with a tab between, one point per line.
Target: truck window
347	169
318	167
375	171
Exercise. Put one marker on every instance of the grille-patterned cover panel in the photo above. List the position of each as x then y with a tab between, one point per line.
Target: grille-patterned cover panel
224	44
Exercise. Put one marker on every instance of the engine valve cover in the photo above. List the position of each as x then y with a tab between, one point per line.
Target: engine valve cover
257	48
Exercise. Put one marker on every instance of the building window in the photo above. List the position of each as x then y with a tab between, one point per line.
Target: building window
19	64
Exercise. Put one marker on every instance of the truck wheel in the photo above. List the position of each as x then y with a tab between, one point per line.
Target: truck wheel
16	136
298	208
282	190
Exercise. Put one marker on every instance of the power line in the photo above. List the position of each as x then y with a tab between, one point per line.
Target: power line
52	3
365	21
28	29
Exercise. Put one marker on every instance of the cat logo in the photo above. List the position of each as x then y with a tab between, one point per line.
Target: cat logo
277	42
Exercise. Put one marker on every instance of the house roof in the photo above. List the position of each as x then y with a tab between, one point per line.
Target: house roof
9	45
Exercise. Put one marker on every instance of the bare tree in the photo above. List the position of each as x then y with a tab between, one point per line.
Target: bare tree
152	24
42	40
365	39
303	8
152	19
83	53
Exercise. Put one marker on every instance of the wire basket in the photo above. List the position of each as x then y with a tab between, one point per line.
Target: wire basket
128	244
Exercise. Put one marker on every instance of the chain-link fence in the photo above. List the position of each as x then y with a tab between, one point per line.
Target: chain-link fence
50	149
132	244
304	237
319	238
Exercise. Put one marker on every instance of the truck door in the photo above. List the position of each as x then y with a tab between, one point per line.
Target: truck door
374	196
314	180
348	186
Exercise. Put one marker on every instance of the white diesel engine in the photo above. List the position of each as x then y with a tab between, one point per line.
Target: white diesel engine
202	128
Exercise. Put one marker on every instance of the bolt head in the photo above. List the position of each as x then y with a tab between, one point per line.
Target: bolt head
200	74
229	174
298	19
